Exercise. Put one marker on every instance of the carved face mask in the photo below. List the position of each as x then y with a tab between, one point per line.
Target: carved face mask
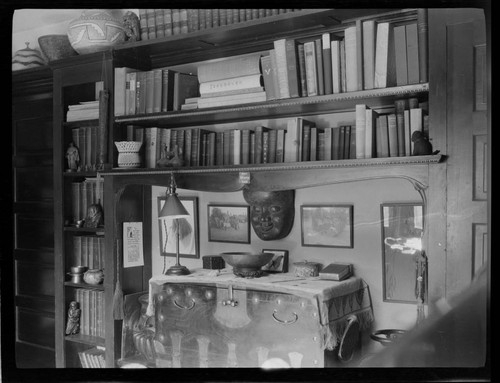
272	213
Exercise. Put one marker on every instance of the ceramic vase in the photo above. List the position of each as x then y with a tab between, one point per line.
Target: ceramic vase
96	30
27	58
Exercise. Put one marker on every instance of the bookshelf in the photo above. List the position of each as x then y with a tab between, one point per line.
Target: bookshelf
127	191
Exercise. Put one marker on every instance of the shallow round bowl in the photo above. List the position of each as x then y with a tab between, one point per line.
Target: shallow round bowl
246	264
78	269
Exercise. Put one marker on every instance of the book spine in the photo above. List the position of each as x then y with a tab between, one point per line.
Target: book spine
227	142
273	136
319	67
291	141
267	74
280	144
341	140
321	146
281	67
311	70
401	55
194	20
167	17
342	67
306	142
208	18
143	24
392	130
368	53
151	24
222	17
215	18
336	75
314	143
330	146
211	149
302	69
274	65
188	143
292	68
370	133
130	90
265	147
359	53
351	57
183	21
245	146
159	22
383	142
231	84
403	140
423	44
259	143
327	62
150	91
219	148
176	21
140	93
237	146
167	98
412	52
360	130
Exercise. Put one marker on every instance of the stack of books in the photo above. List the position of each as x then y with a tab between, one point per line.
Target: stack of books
336	271
93	358
231	81
86	110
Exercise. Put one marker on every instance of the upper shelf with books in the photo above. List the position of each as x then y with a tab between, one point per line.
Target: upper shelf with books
302	106
246	37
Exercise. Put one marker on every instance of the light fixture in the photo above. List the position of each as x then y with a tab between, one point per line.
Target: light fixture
174	209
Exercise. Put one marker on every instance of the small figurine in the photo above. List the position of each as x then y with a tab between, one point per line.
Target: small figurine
73	325
131	24
94	216
73	157
421	145
170	158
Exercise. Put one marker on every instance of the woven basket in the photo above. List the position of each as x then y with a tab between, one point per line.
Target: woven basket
128	146
56	47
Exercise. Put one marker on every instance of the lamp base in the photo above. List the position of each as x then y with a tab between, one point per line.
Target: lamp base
178	270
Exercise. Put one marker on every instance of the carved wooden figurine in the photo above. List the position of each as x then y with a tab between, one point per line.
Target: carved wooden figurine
73	325
131	24
94	217
271	212
73	157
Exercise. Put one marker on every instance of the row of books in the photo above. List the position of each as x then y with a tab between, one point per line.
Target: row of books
93	357
89	250
157	23
86	193
91	304
87	140
389	135
153	91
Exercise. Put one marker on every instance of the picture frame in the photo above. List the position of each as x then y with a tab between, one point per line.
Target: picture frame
279	262
228	223
189	244
402	227
327	226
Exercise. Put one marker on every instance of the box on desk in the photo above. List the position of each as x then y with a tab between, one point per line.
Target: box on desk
213	262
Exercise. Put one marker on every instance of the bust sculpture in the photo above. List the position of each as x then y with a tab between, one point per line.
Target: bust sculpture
271	212
73	157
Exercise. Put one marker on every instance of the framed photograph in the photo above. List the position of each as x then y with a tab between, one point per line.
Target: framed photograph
228	223
402	231
279	262
189	244
327	225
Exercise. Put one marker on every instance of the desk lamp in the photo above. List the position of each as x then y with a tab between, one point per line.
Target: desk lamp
174	209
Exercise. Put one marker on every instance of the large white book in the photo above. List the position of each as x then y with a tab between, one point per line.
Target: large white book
292	139
336	72
385	71
360	130
369	35
351	57
231	84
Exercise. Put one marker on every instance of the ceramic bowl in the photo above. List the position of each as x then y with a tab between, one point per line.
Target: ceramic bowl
56	47
78	269
93	276
128	146
247	264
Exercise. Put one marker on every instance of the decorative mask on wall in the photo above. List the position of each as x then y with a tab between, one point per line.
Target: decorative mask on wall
271	212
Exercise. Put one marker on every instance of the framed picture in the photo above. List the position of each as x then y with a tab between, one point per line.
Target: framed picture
189	244
279	262
228	223
402	231
327	225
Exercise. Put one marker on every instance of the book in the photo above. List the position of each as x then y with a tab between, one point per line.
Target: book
267	76
306	143
314	144
302	69
157	86
151	21
342	66
150	91
140	93
293	137
219	148
245	146
176	21
311	68
382	137
385	71
167	90
369	38
412	52
327	62
88	148
336	74
130	90
336	271
236	99
273	137
120	89
236	66
265	147
401	58
183	21
143	24
185	85
370	133
359	53
406	117
335	143
159	22
392	130
237	147
235	84
319	67
274	65
280	145
194	19
227	147
282	68
167	20
188	146
423	43
152	147
351	57
360	130
211	149
259	143
403	140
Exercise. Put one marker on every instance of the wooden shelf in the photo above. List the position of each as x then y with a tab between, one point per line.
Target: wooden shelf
80	123
85	230
84	286
333	103
85	339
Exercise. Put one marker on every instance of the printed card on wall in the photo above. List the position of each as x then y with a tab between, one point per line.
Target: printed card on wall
133	254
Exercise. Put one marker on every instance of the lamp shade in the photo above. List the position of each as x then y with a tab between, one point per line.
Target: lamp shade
173	208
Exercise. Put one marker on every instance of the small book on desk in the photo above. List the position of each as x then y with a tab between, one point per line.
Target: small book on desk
336	271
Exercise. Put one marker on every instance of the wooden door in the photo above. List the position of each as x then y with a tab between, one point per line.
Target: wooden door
33	222
458	111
